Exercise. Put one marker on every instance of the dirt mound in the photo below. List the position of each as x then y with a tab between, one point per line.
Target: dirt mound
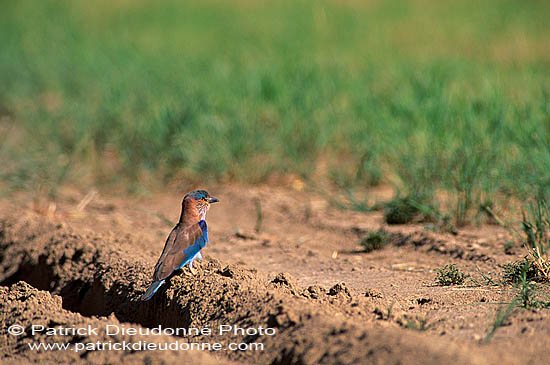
430	242
102	274
26	306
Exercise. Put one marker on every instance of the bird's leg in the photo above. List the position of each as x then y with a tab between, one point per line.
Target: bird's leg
192	271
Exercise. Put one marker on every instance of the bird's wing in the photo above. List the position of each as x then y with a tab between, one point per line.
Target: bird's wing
182	244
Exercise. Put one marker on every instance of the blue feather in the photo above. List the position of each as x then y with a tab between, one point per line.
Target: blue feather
152	290
194	250
197	194
200	242
204	229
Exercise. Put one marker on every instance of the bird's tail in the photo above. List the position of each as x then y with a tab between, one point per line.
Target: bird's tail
152	289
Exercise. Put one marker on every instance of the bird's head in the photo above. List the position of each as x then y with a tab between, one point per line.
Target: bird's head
198	200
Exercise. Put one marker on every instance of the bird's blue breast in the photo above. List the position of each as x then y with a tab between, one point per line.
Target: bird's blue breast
204	229
199	243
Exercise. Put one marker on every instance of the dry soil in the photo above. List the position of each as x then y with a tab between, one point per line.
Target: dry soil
278	258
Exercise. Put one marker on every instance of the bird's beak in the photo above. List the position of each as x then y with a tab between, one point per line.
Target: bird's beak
213	200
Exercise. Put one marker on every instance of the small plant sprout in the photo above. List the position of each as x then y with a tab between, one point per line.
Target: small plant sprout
450	275
375	240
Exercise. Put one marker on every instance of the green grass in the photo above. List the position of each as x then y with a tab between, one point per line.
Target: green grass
535	239
450	275
529	296
375	240
402	211
427	96
418	324
502	317
536	227
513	272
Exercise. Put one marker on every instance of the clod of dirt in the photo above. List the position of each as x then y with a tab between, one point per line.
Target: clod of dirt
314	292
423	301
285	280
373	293
228	272
340	289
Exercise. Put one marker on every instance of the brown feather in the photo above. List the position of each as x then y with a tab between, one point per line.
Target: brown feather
172	256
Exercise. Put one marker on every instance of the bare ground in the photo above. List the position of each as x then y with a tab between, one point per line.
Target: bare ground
298	269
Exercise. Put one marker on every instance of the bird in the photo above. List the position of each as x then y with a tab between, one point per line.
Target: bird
185	241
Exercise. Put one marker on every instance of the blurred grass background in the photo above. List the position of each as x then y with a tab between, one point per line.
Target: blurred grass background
425	95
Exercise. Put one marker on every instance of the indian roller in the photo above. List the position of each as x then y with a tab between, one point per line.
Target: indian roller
186	240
